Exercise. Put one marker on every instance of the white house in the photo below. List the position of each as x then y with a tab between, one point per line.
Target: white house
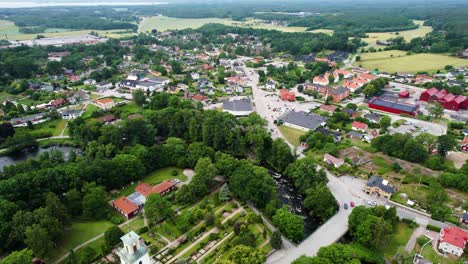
104	85
195	75
89	82
134	250
270	85
453	240
71	114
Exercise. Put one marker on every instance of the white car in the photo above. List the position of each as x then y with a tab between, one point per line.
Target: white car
372	203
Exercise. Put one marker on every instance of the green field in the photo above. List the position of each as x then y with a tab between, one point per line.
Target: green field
407	35
156	177
49	128
397	242
292	135
163	23
11	31
400	62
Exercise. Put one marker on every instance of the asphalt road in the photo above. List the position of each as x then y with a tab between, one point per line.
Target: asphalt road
345	189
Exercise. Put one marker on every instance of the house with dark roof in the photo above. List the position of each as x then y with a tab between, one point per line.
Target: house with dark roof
355	135
337	136
302	120
464	219
242	107
373	117
340	94
350	112
378	186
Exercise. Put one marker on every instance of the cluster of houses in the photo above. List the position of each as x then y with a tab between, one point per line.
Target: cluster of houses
446	99
137	80
131	205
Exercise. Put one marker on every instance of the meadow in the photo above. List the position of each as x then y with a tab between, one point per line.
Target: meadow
398	61
9	31
407	35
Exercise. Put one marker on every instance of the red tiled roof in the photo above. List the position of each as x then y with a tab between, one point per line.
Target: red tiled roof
440	94
329	108
146	189
104	101
460	99
352	85
431	91
454	236
321	59
125	205
359	125
367	76
448	97
344	72
319	79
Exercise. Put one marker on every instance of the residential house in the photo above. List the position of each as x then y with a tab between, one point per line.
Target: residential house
128	57
464	219
321	80
89	82
453	240
195	75
352	86
71	114
378	186
107	119
422	79
331	160
125	207
330	109
242	107
302	120
340	94
373	117
350	112
105	104
102	86
162	189
337	136
346	74
23	121
57	103
235	80
323	90
355	135
428	94
287	95
271	84
358	126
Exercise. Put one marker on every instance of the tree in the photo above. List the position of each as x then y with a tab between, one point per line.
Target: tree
73	202
6	130
139	97
446	143
304	174
112	236
291	225
18	257
210	219
38	240
276	241
88	254
95	201
414	151
224	193
320	202
436	110
55	208
384	123
245	254
196	151
280	155
158	208
54	68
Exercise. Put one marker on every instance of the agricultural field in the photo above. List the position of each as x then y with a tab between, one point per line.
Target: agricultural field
408	34
324	31
10	31
398	61
163	23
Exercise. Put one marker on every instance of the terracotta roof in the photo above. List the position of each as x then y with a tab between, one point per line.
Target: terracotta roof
359	125
329	108
125	205
351	85
146	189
367	76
104	101
318	79
454	236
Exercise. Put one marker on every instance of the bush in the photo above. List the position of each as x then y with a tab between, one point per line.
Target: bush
174	173
433	228
142	230
422	240
410	222
116	220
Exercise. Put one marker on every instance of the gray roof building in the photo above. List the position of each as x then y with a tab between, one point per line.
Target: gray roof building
238	105
302	119
380	183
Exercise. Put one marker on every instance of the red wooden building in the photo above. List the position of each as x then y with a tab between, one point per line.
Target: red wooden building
404	94
426	95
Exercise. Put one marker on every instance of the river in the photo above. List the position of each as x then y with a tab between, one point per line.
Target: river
10	160
288	195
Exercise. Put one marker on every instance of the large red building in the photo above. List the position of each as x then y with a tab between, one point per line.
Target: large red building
446	99
287	95
393	106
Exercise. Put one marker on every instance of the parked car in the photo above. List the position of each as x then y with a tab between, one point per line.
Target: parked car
372	203
345	206
351	204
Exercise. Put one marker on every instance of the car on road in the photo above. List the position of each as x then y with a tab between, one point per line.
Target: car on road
351	204
345	206
372	203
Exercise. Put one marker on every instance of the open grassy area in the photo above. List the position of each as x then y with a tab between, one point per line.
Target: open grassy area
396	244
135	225
46	129
90	109
11	31
322	30
156	177
407	35
400	62
130	108
6	96
430	254
163	23
292	135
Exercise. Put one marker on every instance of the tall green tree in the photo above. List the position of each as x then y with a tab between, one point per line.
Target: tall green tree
158	208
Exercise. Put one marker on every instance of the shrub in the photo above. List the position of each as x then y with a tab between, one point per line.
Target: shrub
116	220
422	240
143	230
174	172
433	228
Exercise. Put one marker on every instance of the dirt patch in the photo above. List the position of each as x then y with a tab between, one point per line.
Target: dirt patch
458	158
367	161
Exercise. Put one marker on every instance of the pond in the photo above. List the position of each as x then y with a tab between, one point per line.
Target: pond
33	153
288	195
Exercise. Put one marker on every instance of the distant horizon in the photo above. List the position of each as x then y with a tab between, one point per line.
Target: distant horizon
40	3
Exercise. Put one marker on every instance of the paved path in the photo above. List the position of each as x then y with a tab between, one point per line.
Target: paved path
189	173
215	246
91	240
412	241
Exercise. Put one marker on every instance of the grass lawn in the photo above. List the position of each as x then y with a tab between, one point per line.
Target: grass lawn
429	254
6	96
398	240
292	135
130	108
156	177
322	30
408	63
78	233
53	128
56	141
135	225
90	109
